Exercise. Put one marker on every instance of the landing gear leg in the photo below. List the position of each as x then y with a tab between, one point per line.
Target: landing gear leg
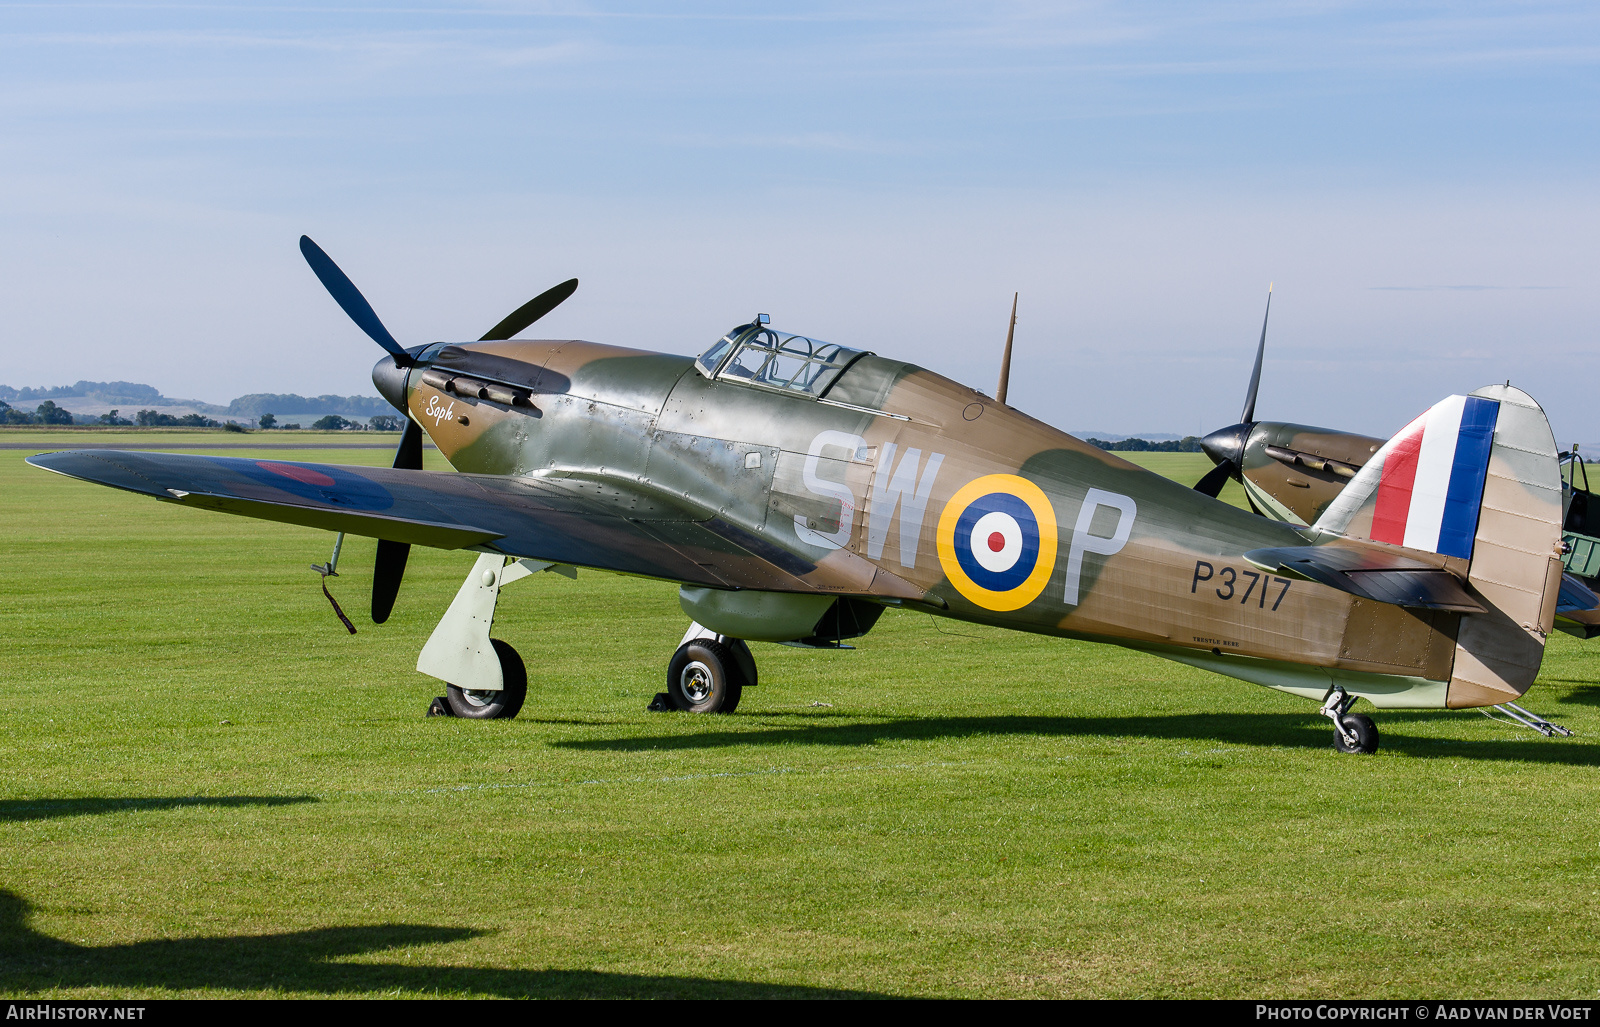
486	677
1352	732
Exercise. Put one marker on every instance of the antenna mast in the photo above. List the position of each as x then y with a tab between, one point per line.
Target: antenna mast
1005	361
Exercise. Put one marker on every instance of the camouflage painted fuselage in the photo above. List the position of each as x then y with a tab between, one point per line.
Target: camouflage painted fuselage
864	492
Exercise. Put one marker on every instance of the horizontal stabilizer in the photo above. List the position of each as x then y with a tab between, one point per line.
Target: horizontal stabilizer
1575	596
1372	574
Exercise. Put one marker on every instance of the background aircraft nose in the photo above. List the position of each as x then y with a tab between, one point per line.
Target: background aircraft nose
390	381
1225	445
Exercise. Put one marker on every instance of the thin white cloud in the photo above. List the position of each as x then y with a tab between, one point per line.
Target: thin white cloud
1465	288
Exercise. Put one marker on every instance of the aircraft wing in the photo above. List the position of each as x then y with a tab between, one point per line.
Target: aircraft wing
606	524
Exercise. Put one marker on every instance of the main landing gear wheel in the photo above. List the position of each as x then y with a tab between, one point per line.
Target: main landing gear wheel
1363	730
1352	732
704	677
487	705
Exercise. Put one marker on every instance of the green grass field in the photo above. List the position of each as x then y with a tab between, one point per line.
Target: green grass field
210	789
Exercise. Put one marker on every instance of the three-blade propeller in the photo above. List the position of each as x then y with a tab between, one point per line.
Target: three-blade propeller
390	567
1226	445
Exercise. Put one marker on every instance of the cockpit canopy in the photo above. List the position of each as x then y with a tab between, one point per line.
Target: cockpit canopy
753	354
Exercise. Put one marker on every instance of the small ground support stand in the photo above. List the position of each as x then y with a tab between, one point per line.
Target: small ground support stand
1511	713
441	708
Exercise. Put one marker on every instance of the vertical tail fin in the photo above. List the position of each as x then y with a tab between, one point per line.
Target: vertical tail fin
1474	479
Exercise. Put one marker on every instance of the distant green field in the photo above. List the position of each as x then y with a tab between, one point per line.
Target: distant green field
210	789
1187	468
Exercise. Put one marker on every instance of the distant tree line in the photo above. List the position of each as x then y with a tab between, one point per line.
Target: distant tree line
333	422
151	419
257	404
47	413
245	408
1187	444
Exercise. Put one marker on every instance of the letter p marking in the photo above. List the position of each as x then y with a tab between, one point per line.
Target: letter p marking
1083	542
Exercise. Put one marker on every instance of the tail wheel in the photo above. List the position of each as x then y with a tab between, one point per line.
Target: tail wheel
486	705
704	677
1365	731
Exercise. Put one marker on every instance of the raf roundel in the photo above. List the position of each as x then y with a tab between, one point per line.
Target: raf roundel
997	541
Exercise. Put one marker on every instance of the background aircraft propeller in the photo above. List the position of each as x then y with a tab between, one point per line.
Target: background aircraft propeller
1211	485
390	565
1225	446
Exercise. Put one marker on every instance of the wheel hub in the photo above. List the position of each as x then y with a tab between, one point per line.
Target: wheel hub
696	682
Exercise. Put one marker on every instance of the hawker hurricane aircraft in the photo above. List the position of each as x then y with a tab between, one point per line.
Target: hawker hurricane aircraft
793	489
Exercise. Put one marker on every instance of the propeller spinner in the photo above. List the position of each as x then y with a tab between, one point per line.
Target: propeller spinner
389	377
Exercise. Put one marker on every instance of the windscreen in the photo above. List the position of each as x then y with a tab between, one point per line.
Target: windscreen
756	355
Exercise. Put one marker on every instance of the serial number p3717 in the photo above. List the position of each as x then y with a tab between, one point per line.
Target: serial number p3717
1230	584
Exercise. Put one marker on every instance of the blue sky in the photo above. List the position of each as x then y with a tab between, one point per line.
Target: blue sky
1419	180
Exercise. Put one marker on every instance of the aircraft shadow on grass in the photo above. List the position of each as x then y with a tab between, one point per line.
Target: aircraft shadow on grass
1288	730
1586	694
13	810
301	961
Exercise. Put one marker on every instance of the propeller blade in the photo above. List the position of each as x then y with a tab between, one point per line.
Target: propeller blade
531	311
408	456
386	574
1249	415
345	293
1211	484
390	566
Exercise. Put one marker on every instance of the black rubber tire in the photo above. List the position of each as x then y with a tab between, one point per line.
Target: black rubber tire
502	705
1366	734
704	677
